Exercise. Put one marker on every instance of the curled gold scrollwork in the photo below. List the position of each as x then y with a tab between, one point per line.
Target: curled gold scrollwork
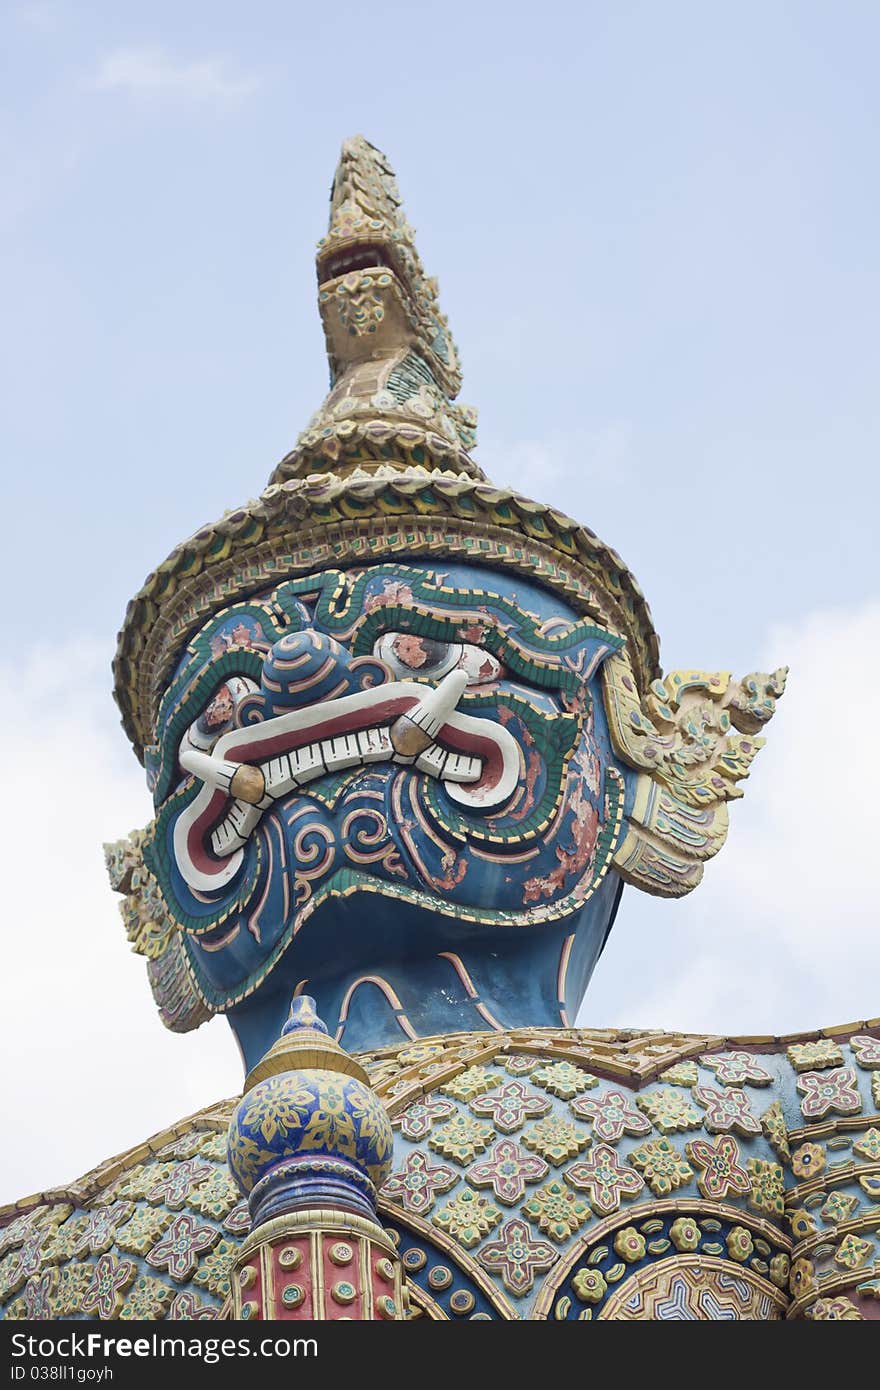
692	739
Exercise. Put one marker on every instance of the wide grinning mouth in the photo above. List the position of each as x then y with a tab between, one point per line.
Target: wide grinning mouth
251	769
354	255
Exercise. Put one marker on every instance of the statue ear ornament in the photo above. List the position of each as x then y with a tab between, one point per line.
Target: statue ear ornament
408	740
692	739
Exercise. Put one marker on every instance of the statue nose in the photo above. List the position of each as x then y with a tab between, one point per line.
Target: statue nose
304	668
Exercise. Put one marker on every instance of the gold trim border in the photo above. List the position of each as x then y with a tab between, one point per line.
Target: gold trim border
630	1216
458	1256
710	1262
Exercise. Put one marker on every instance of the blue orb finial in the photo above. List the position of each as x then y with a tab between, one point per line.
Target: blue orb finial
283	1151
304	1014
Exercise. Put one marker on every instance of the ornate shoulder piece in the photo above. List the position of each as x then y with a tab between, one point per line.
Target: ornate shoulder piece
692	738
153	934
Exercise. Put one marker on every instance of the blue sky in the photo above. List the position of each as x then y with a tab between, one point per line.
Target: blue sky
656	233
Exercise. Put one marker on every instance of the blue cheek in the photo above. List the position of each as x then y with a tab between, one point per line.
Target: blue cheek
239	959
201	908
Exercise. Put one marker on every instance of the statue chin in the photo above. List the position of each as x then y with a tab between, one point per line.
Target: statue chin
383	967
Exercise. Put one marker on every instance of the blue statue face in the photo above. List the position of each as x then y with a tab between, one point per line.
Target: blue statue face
424	748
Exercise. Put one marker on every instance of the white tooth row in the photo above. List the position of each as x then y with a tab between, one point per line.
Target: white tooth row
235	827
303	765
452	767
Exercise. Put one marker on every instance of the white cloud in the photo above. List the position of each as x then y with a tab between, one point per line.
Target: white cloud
149	72
782	935
88	1069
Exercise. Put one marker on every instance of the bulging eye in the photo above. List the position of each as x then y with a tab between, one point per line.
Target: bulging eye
409	654
218	716
481	666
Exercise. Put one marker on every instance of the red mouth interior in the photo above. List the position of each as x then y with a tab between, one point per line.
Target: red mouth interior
258	750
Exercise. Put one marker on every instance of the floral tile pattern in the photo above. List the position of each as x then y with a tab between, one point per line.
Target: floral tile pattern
513	1163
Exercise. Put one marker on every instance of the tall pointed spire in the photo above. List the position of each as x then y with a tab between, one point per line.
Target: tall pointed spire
394	366
384	468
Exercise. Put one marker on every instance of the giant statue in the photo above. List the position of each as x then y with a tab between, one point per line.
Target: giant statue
409	745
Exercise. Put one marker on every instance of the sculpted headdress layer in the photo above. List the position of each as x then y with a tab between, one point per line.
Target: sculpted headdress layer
384	468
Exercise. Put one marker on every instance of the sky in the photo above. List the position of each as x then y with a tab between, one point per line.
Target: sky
656	233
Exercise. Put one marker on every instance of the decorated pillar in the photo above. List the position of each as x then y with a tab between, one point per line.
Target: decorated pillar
309	1144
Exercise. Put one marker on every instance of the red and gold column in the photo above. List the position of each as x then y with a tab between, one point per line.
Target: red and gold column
321	1264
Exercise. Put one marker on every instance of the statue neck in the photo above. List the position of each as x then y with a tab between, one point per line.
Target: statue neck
474	981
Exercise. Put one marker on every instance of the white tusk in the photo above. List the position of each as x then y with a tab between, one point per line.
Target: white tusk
236	779
413	732
216	772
